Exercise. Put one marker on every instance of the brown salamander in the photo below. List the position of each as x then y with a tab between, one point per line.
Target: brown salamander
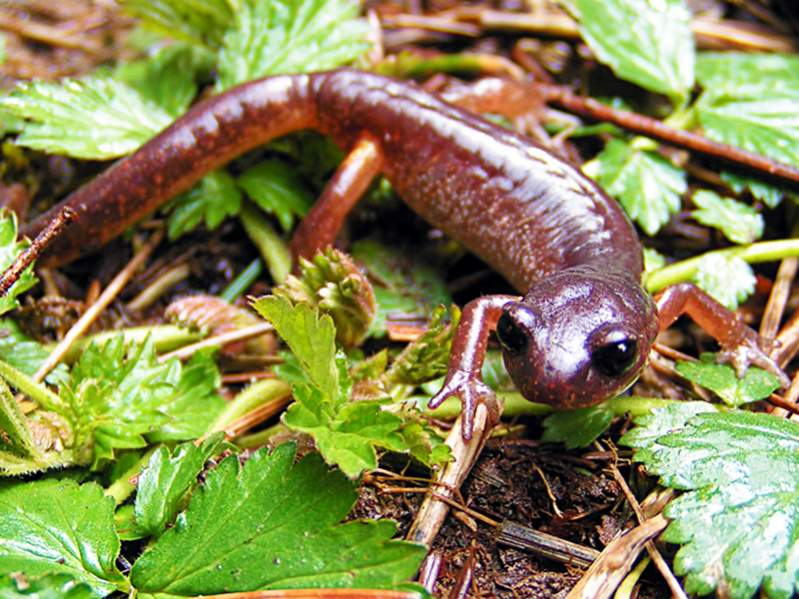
582	332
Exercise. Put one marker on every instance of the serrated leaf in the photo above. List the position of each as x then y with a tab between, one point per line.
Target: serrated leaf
212	200
577	428
738	222
16	436
747	74
345	433
200	22
729	280
722	379
290	36
168	77
647	42
407	282
770	195
53	586
274	186
164	482
662	421
751	101
653	260
25	354
273	524
310	337
59	527
95	118
10	248
738	521
647	185
118	394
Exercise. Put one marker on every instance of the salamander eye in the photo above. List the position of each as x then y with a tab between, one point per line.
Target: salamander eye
615	358
512	338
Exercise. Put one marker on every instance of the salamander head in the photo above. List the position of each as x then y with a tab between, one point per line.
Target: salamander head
578	337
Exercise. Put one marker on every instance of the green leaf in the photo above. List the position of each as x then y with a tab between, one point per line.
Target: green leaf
738	222
212	200
755	385
273	525
577	428
647	185
661	421
10	248
274	186
738	524
729	280
16	435
345	433
53	586
751	101
647	42
119	394
58	527
95	118
747	74
768	194
165	481
310	337
168	77
200	22
290	36
25	354
408	284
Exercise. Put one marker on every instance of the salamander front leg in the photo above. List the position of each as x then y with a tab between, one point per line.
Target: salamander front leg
324	221
741	346
464	376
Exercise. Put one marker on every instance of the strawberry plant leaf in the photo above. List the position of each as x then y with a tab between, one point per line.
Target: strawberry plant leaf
722	379
165	481
199	22
738	521
346	433
646	42
647	185
272	524
213	199
60	527
577	428
118	394
768	194
738	222
274	186
729	280
289	36
751	101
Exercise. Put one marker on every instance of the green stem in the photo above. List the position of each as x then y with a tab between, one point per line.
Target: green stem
260	438
258	394
38	392
242	282
765	251
122	488
272	247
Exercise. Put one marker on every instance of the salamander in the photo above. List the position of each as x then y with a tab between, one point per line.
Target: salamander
582	331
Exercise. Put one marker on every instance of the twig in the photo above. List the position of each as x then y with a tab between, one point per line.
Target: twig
654	553
777	172
106	297
34	250
607	572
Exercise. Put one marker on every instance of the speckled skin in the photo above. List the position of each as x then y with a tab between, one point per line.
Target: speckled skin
533	217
